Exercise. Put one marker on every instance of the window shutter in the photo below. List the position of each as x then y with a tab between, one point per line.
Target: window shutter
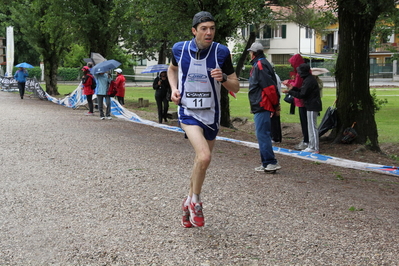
284	31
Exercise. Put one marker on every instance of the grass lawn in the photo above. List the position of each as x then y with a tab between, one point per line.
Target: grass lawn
387	118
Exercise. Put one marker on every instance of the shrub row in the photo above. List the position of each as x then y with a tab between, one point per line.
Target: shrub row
283	71
74	74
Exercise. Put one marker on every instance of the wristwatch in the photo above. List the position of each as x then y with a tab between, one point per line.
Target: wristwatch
224	78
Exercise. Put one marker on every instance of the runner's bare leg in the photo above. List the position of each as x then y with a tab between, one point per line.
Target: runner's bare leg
203	152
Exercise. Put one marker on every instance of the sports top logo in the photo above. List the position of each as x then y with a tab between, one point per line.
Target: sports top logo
197	77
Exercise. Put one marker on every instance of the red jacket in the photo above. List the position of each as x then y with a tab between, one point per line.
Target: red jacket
296	60
262	93
87	80
120	85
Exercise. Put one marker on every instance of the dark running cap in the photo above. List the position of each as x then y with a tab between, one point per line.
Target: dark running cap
202	16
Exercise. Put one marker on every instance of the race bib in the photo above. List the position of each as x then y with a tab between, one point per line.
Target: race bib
198	100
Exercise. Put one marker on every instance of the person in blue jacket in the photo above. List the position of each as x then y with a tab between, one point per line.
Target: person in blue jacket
103	81
20	75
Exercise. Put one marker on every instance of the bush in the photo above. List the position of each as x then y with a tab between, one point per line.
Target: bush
68	74
64	73
283	71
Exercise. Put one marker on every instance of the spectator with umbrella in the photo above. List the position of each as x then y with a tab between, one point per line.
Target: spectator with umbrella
100	72
162	95
103	81
20	75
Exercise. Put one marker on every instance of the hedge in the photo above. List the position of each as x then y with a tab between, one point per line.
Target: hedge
68	74
283	71
74	74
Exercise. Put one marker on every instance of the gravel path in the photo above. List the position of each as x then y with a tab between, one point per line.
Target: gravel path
75	190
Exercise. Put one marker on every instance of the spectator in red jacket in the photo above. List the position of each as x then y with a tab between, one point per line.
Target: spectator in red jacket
295	61
87	81
264	101
120	84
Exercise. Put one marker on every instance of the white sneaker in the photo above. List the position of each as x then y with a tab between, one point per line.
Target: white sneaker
109	118
260	169
102	118
310	150
302	145
273	167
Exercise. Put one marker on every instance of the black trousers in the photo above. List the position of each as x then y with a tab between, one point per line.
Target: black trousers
121	100
90	102
163	106
292	109
276	128
21	88
303	117
100	99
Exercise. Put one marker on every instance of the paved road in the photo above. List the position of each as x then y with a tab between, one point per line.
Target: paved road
75	190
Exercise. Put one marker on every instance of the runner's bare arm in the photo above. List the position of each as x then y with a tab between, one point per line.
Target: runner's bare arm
172	76
230	84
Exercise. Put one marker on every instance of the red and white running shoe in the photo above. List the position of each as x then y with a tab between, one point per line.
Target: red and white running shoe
185	222
196	215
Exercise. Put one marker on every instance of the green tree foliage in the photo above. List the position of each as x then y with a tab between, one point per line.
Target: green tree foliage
156	25
100	25
23	50
61	31
40	23
74	56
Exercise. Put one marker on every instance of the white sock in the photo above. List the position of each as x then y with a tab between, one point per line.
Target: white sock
188	201
195	198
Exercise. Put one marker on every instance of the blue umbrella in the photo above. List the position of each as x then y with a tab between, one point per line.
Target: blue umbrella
24	65
155	68
105	66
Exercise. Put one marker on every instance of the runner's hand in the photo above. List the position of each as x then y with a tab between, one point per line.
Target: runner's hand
175	96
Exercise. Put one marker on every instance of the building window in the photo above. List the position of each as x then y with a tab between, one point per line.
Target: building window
280	31
281	59
141	62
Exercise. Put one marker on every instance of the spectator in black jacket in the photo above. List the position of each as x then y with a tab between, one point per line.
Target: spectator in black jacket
310	93
162	95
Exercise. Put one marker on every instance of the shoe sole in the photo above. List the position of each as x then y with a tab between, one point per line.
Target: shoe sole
194	224
187	226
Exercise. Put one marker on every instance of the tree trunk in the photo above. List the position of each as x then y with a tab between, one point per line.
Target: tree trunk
354	102
50	74
240	63
225	105
162	53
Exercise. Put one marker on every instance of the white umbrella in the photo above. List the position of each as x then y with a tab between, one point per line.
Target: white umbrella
318	71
